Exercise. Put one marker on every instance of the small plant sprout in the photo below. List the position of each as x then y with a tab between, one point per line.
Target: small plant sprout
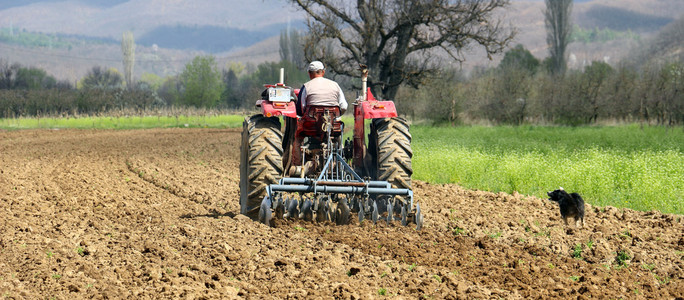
521	263
648	267
577	252
622	257
299	228
574	278
662	280
495	235
437	277
412	267
626	234
80	251
56	276
49	254
543	232
382	291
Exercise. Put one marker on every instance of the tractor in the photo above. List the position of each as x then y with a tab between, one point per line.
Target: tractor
307	171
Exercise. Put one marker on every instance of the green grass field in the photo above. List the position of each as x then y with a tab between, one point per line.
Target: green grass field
135	122
622	166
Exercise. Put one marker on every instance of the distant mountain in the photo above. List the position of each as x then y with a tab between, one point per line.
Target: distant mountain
247	31
211	39
667	46
5	4
621	19
110	18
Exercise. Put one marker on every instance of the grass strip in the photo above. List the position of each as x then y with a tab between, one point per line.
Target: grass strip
623	166
129	122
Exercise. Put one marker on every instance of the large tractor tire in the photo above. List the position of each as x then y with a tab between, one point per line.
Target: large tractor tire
260	161
390	150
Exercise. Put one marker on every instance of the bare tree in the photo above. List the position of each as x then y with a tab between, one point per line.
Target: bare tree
558	29
128	51
396	38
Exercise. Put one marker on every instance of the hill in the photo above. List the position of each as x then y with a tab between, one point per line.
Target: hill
72	64
629	22
91	18
667	46
235	30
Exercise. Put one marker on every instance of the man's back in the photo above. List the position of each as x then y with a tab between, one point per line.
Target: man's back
322	91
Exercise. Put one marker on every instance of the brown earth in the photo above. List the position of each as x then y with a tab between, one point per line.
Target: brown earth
154	214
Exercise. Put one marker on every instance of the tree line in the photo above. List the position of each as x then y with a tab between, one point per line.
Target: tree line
520	90
523	90
30	91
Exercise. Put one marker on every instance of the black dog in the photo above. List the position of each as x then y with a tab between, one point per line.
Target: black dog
571	205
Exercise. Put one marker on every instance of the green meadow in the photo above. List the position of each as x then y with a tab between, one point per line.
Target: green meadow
621	166
132	122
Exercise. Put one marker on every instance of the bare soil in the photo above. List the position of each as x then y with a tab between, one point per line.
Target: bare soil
155	214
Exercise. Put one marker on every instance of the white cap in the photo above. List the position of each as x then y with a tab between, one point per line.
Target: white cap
315	66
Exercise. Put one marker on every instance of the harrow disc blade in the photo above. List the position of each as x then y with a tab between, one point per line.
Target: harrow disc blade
307	212
419	217
390	212
375	212
342	213
279	208
361	214
320	209
265	211
292	211
329	213
403	216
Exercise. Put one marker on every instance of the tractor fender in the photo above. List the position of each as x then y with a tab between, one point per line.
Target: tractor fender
378	109
274	109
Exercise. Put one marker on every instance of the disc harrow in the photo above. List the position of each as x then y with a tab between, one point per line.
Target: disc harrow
336	196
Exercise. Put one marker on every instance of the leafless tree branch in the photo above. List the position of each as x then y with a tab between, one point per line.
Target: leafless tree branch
395	37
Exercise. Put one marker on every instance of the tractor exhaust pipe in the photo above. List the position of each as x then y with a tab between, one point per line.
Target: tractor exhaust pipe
282	76
364	80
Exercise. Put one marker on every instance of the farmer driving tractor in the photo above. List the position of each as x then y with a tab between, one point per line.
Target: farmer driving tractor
318	99
308	172
320	91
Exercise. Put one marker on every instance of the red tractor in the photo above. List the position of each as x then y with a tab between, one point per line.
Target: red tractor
308	172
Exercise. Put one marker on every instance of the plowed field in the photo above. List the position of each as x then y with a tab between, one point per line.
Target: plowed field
154	214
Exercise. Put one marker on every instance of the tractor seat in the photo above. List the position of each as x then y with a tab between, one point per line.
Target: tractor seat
313	119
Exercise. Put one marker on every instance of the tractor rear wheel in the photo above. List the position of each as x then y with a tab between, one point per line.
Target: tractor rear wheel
390	150
260	161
